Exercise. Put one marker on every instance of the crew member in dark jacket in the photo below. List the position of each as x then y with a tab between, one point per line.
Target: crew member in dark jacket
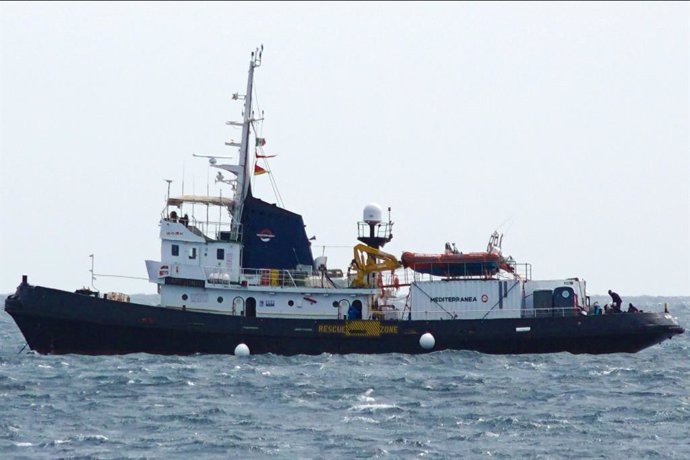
617	301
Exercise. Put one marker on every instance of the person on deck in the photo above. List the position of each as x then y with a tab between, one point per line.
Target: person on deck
352	313
597	308
617	301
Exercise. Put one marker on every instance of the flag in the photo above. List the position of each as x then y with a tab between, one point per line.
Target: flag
260	141
265	156
258	170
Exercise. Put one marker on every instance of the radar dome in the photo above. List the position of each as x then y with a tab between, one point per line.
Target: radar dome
372	213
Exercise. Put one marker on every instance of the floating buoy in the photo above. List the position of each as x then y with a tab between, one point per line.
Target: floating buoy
241	350
427	341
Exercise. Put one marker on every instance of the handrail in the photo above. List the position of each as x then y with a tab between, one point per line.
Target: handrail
267	277
521	270
524	313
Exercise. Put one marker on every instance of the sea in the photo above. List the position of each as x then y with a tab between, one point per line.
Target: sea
450	404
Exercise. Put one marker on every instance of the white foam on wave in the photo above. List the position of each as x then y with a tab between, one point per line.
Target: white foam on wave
360	420
371	407
366	396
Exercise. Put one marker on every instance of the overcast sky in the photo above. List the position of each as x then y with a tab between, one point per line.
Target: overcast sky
565	126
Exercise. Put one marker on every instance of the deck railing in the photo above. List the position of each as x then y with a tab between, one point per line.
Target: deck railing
294	278
504	313
215	230
263	277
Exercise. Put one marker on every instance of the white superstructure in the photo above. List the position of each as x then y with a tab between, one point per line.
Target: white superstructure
202	259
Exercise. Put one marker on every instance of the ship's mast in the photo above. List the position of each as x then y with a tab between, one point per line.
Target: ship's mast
244	174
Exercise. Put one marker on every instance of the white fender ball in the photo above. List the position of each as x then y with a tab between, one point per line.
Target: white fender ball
427	341
241	350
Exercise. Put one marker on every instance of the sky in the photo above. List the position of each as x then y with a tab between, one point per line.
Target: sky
563	126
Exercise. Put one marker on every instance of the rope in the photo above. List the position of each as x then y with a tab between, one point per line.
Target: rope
121	276
274	185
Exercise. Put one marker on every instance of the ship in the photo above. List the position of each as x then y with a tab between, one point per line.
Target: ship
245	281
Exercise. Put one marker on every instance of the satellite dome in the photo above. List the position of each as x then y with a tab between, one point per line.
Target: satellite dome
372	213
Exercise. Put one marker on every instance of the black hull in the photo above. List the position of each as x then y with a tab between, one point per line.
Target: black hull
57	322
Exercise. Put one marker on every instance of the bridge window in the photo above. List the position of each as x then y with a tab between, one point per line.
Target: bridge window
175	250
220	254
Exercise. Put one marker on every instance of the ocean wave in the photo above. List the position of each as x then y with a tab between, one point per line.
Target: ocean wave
446	404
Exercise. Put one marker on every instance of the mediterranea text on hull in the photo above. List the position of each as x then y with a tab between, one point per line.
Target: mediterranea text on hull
245	281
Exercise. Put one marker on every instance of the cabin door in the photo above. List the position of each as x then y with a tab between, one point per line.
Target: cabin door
250	307
564	301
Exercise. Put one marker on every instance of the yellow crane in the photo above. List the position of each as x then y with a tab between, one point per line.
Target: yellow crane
370	260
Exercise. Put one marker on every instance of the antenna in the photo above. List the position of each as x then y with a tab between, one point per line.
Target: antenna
183	170
169	181
256	56
93	277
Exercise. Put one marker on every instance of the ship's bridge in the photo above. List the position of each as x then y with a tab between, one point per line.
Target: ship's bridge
210	222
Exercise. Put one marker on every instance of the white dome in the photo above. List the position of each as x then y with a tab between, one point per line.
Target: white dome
372	213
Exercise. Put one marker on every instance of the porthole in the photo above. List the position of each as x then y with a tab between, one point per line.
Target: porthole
291	303
220	300
336	304
184	297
